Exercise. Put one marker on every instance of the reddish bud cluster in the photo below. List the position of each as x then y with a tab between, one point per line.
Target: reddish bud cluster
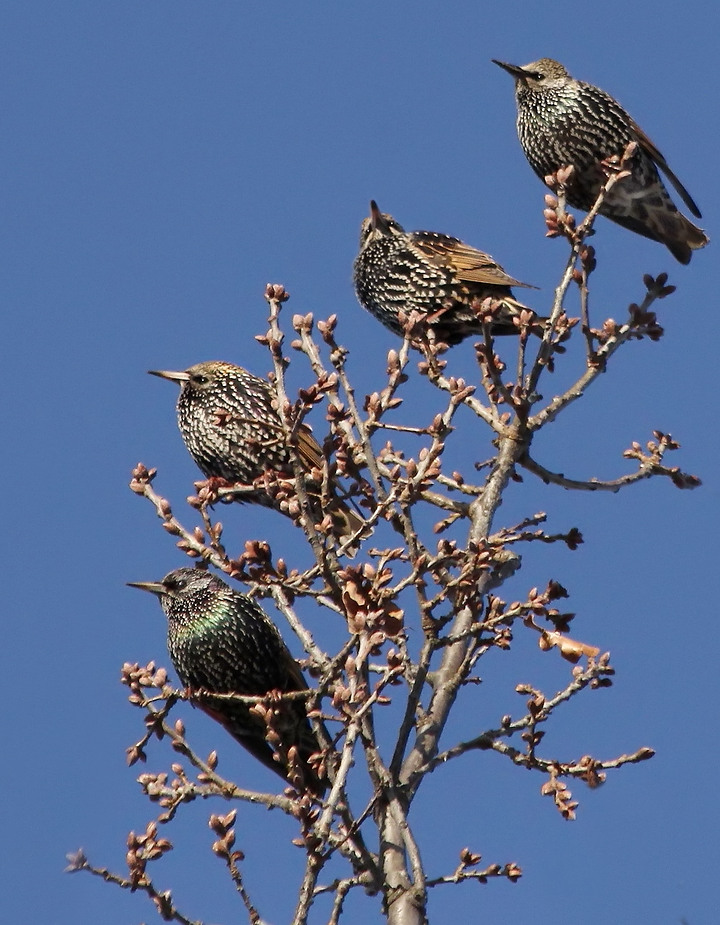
369	606
142	849
556	789
274	292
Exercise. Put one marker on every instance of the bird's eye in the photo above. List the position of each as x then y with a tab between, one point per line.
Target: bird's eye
200	380
175	584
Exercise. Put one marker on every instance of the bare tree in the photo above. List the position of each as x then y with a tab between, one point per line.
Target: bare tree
446	589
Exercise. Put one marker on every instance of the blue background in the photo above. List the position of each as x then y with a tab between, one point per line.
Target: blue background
162	162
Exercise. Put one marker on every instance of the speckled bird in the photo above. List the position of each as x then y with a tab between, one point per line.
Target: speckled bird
221	642
562	121
233	432
432	273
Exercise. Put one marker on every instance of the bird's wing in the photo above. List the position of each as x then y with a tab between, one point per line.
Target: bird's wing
652	152
248	730
293	679
469	265
272	434
309	450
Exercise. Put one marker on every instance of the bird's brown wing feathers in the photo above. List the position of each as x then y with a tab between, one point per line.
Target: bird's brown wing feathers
309	449
346	520
470	265
652	152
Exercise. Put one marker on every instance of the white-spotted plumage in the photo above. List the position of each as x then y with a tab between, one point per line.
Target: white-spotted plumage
562	121
437	275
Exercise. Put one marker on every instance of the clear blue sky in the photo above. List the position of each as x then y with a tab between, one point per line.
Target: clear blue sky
165	159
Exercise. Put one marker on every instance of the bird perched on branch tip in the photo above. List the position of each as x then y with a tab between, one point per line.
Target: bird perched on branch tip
434	274
565	122
230	426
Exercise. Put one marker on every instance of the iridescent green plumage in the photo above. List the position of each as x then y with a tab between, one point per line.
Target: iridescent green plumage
220	641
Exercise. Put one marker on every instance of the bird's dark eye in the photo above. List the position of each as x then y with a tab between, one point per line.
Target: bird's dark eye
200	380
175	584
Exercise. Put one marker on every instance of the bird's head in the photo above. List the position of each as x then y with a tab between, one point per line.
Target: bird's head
197	378
377	225
538	75
181	586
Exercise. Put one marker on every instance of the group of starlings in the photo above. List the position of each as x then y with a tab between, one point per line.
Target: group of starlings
220	641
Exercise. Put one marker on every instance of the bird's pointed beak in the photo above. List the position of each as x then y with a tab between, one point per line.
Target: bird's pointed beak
154	587
377	218
179	376
517	72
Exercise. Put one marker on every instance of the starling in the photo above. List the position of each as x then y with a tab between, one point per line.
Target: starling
562	122
221	642
431	273
233	432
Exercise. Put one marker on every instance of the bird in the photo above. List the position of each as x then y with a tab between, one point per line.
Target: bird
221	642
431	273
233	431
562	121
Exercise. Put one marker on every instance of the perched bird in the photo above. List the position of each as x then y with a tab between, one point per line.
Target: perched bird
221	642
233	432
562	122
439	276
